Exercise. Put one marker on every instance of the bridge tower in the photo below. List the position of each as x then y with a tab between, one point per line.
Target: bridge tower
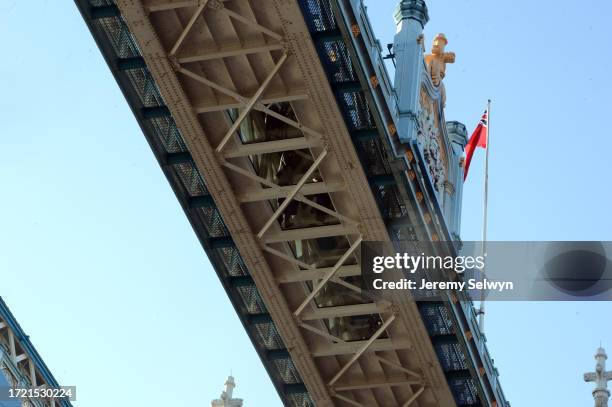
600	377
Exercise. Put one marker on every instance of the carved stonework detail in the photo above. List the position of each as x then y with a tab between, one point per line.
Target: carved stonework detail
449	188
429	138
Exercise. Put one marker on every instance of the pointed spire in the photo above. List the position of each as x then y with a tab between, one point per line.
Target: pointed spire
412	9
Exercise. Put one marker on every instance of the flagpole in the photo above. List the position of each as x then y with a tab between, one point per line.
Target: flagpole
481	311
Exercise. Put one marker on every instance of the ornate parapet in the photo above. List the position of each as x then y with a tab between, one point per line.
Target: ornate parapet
430	138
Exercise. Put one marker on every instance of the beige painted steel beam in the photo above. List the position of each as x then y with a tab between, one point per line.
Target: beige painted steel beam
225	52
290	122
415	396
375	383
343	311
250	23
165	5
32	373
256	195
20	358
309	233
348	285
320	332
348	348
12	348
249	174
292	276
266	147
286	257
291	96
347	400
387	362
300	197
188	27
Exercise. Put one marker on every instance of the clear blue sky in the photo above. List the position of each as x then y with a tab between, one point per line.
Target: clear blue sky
103	271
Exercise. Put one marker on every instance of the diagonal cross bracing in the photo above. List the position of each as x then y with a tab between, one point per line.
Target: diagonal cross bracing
298	192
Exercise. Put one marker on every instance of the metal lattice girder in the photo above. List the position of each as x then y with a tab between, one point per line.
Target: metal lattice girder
207	87
216	181
375	383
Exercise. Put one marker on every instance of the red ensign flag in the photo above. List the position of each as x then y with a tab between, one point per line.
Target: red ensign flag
478	139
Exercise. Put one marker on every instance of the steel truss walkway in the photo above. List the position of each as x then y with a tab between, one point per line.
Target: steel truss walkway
277	143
